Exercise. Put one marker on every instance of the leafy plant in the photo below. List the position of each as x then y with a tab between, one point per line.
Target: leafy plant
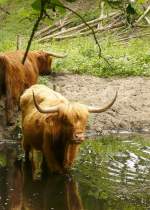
3	1
130	8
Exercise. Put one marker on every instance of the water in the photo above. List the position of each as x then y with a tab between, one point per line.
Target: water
110	173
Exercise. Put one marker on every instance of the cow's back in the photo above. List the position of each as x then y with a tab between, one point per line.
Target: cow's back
45	97
12	76
30	67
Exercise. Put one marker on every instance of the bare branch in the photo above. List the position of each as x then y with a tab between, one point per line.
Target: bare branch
134	37
83	20
55	26
49	30
144	14
34	29
80	33
76	28
42	13
94	35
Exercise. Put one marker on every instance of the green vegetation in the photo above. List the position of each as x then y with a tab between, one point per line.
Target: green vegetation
96	152
126	59
19	21
115	171
130	58
3	160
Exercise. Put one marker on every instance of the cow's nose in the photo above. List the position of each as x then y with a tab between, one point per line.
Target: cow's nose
79	136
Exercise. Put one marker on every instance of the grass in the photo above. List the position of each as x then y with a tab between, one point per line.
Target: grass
126	59
130	59
19	21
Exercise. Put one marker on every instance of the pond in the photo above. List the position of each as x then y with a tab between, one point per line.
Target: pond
110	173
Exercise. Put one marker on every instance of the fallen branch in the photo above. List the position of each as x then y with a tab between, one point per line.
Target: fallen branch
56	29
144	14
97	20
86	28
109	27
133	37
51	29
75	28
45	29
102	3
54	26
141	26
147	19
92	31
96	25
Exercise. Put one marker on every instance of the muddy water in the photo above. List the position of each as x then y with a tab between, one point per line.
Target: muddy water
110	174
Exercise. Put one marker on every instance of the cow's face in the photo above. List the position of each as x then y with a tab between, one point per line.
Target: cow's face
74	119
71	118
44	63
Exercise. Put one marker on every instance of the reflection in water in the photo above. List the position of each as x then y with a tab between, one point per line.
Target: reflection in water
109	175
52	192
10	178
19	192
115	172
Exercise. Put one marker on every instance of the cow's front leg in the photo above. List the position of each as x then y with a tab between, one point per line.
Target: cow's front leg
49	154
26	148
37	160
70	153
52	164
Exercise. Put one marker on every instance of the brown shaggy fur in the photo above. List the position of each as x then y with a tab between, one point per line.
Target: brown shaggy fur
16	77
53	133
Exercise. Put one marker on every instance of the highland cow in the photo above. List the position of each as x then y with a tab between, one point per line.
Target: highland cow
53	127
15	77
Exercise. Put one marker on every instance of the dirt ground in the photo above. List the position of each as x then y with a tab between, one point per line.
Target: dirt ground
130	113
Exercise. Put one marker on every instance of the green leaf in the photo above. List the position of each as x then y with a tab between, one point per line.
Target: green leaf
56	2
130	9
3	1
142	1
36	5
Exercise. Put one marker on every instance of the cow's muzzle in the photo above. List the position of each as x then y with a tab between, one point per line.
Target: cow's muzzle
78	138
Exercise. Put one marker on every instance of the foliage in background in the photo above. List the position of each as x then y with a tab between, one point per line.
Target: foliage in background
129	58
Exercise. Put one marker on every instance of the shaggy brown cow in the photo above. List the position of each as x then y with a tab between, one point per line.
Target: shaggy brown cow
53	127
16	77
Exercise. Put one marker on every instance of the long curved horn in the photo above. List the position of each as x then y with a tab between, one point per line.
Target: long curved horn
53	109
56	55
103	109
